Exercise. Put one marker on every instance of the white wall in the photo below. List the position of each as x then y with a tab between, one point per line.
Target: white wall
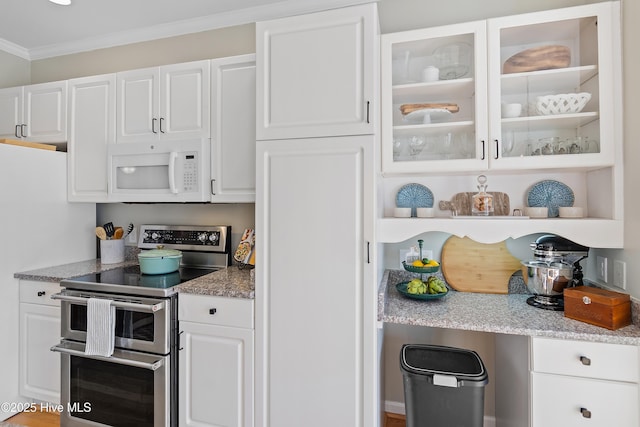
14	71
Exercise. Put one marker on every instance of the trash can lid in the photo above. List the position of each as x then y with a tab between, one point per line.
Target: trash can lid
433	359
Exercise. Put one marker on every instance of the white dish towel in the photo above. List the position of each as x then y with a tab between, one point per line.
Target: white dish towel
101	325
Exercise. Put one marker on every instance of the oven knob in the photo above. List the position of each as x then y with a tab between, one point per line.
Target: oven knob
213	238
155	236
202	237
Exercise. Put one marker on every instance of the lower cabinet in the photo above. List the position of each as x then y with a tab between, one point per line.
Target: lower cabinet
39	331
216	361
576	383
543	382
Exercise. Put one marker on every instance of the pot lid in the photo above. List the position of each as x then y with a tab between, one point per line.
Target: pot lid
160	252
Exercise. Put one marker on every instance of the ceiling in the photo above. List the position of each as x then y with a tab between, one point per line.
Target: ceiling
36	29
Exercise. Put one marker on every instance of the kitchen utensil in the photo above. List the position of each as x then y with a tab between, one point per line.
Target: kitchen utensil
159	260
469	266
461	203
129	230
101	233
118	233
551	194
538	58
109	229
410	108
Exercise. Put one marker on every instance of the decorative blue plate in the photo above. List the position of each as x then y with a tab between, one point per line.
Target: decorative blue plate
414	196
550	194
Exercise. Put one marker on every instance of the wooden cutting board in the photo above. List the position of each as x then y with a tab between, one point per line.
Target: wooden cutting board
469	266
28	144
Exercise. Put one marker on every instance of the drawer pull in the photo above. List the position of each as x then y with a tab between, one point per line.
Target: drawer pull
585	360
585	412
212	311
41	293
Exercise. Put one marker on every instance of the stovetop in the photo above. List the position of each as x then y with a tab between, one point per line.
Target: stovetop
129	280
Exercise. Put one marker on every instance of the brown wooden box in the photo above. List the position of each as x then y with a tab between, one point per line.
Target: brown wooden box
600	307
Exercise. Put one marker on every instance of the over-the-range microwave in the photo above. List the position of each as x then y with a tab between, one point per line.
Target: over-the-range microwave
161	171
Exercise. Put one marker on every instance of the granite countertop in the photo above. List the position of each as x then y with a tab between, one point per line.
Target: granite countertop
497	313
230	282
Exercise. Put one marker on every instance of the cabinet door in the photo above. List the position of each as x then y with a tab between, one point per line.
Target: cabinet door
91	127
434	94
559	400
39	367
10	112
216	376
137	105
184	101
563	68
315	293
233	141
316	74
45	112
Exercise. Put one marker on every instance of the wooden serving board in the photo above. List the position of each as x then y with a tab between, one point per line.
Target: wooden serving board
28	144
461	202
469	266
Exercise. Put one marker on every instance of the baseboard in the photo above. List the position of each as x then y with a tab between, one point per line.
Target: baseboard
398	408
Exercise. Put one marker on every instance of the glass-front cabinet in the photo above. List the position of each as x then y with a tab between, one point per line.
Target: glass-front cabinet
434	99
520	99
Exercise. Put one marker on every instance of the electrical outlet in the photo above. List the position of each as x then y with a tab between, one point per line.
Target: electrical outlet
601	266
620	274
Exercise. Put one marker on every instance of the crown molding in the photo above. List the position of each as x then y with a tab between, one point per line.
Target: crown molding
14	49
205	23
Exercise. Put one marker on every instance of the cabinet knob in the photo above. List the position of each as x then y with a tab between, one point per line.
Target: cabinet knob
212	311
41	293
585	360
585	412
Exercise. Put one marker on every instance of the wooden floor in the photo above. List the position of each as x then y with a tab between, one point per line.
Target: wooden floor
52	419
36	419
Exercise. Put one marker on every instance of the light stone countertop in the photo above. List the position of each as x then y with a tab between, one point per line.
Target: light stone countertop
504	314
231	282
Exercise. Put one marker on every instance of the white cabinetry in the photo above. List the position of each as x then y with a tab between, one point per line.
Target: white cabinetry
39	331
233	134
169	102
575	383
92	115
582	149
216	361
315	308
316	74
35	112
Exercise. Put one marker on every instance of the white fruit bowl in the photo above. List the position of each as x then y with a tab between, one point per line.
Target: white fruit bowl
563	103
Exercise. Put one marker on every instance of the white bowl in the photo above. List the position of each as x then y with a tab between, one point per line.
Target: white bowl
562	103
571	212
402	212
425	212
536	212
511	110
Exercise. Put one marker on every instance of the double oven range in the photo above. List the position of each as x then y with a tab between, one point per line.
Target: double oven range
138	384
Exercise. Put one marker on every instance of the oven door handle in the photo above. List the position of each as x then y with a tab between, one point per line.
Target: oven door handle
135	363
144	308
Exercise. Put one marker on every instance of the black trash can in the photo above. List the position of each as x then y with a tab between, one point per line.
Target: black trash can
443	386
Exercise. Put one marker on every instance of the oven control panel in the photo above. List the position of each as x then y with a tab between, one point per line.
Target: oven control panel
186	237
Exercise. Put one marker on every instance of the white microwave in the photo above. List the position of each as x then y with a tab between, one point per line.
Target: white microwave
166	171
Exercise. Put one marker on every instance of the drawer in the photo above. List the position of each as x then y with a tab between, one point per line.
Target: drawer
35	292
586	359
213	310
558	401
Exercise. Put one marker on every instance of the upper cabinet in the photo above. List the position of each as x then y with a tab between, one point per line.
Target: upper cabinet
160	103
519	98
233	134
533	91
35	112
92	125
316	74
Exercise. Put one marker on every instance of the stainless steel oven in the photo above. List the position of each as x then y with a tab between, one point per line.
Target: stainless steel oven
137	386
